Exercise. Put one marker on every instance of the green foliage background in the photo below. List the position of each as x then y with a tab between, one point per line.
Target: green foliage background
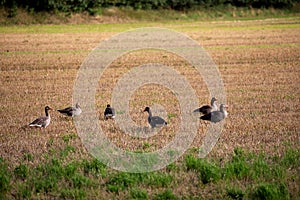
89	5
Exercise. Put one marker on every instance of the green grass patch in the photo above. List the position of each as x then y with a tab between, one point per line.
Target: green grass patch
245	175
72	193
122	180
137	193
235	193
291	158
94	167
181	24
165	195
155	179
269	191
208	171
21	171
238	167
5	177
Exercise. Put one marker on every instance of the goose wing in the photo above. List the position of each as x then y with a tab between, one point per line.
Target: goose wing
204	109
40	122
69	111
215	116
109	112
157	121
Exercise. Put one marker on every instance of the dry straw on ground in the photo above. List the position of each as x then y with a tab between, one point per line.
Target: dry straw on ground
259	66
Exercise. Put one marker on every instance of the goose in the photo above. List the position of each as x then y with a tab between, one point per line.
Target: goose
154	121
216	116
71	111
206	109
44	121
109	112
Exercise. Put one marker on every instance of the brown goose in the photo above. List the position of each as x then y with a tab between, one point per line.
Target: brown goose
216	116
71	111
109	112
208	108
155	121
44	121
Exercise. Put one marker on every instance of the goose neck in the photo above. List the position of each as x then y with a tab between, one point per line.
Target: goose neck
150	113
47	113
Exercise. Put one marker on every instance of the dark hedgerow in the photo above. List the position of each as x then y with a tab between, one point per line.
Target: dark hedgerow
90	5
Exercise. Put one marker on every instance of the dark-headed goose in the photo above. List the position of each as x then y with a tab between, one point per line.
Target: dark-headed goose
208	108
155	121
216	116
43	121
109	112
71	111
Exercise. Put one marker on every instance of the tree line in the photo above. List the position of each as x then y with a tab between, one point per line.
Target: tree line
89	5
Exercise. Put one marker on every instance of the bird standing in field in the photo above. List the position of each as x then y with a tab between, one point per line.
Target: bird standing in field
109	112
71	111
154	121
216	116
44	121
206	109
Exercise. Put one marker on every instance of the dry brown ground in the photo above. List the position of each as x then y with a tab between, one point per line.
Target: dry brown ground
259	67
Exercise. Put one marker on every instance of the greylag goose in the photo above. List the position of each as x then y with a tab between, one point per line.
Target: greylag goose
71	111
216	116
155	121
109	112
206	109
43	121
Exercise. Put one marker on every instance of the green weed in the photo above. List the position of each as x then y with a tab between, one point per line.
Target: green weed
67	138
208	172
156	179
72	194
146	145
269	191
70	169
23	191
65	152
165	195
172	167
235	193
80	181
171	115
45	184
137	193
291	158
21	171
28	157
94	167
238	167
120	181
5	178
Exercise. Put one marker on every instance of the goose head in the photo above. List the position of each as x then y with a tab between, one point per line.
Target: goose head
213	100
147	109
223	109
47	108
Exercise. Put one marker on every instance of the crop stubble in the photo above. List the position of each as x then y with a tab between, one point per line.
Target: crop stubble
260	70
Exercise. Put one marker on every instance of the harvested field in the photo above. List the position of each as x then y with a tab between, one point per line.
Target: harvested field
259	61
